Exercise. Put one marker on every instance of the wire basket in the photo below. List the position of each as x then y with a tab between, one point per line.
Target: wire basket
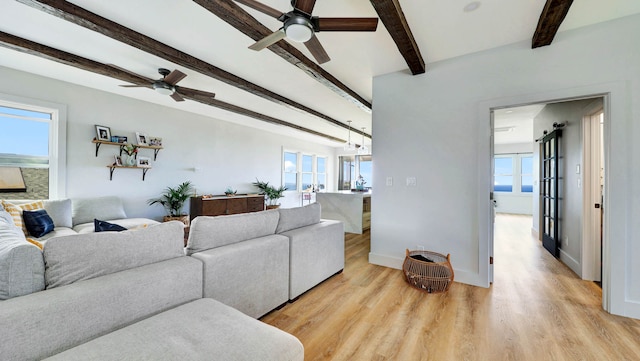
428	271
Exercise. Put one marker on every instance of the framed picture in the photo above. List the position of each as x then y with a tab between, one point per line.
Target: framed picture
143	162
122	139
118	160
141	138
103	133
155	141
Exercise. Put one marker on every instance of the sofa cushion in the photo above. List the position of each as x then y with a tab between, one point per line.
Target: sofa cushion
16	212
204	329
83	256
211	232
85	210
21	263
38	222
60	211
104	226
292	218
128	223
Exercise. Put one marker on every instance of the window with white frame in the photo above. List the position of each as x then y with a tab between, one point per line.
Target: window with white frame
513	173
302	171
29	151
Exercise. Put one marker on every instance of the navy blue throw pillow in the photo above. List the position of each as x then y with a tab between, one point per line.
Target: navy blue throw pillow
102	226
38	222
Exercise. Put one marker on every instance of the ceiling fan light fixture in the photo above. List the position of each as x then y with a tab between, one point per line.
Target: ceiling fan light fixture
163	88
298	29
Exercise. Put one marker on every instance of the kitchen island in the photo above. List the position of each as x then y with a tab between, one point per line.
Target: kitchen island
352	208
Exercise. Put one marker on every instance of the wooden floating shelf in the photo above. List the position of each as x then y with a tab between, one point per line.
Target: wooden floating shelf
113	168
155	148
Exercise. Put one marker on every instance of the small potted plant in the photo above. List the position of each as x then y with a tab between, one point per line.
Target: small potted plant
230	192
173	201
271	193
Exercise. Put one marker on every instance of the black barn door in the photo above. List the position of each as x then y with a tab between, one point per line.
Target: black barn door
549	191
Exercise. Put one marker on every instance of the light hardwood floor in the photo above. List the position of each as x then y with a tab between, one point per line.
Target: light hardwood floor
537	309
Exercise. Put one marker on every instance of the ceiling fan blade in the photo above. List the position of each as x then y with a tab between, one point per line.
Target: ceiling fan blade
174	77
269	40
347	24
306	6
317	50
177	97
135	86
261	8
188	92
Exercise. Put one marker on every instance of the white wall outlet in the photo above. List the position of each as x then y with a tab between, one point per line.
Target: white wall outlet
389	181
411	181
566	241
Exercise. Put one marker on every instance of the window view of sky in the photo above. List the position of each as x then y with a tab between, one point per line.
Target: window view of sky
24	132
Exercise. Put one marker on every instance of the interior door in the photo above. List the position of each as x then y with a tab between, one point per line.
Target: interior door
549	191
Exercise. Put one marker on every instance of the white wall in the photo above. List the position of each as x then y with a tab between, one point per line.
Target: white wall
225	154
436	127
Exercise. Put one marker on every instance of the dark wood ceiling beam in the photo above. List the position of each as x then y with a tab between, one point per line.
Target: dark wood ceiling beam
390	12
235	16
82	17
26	46
551	18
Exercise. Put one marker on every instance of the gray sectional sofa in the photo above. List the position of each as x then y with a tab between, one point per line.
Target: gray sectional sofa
278	254
72	216
136	295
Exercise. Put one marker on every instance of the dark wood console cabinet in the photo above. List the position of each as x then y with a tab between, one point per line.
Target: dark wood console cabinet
223	205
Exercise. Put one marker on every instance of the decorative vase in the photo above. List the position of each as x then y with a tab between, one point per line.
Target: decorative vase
131	161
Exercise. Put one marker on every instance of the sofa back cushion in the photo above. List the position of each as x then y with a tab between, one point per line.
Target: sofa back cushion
60	211
78	257
292	218
211	232
21	263
85	210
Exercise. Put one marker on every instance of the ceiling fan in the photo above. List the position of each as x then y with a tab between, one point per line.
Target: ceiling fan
300	26
167	85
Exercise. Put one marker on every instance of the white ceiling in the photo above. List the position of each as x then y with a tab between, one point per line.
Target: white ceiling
441	28
515	125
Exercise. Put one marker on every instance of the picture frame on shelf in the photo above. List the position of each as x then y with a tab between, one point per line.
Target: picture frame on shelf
143	162
141	138
122	139
118	160
103	133
155	141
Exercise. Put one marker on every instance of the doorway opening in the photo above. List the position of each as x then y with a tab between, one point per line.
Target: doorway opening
567	179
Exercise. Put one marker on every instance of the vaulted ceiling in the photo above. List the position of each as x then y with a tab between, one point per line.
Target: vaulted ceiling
281	89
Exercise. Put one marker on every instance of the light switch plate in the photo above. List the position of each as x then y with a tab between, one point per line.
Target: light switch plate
411	181
389	181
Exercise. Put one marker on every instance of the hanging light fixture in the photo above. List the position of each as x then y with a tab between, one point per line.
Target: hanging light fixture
348	145
363	148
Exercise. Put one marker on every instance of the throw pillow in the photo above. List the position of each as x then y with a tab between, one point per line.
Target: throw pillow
102	226
34	242
16	212
38	222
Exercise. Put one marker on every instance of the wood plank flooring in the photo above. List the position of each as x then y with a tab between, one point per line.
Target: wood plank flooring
537	309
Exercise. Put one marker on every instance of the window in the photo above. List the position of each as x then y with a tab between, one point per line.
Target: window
513	173
526	174
291	170
304	171
350	167
28	151
307	171
321	171
503	179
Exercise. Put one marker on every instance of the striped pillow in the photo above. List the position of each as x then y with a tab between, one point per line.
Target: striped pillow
15	210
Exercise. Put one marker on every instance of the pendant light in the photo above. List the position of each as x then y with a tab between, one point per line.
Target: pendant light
348	145
363	148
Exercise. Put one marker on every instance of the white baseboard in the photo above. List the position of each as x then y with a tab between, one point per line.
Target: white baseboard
534	232
571	262
461	276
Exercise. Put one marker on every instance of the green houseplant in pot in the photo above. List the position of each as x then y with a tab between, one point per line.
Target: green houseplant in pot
173	200
271	193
